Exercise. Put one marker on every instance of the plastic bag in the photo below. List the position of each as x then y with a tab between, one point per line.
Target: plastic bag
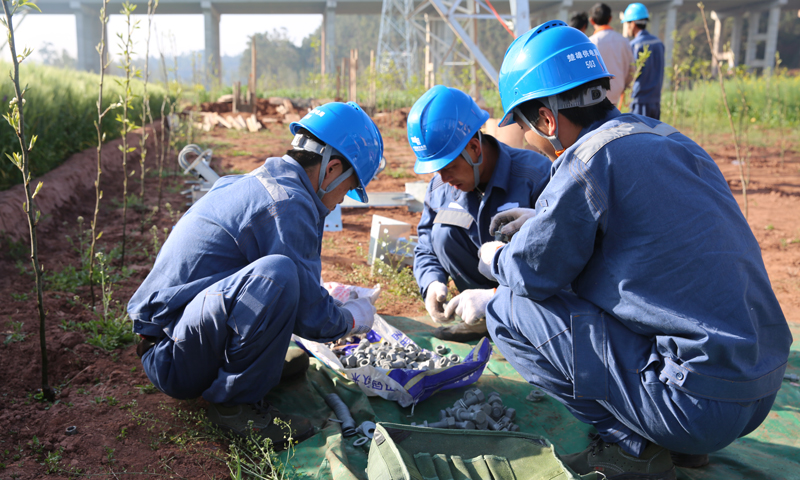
404	386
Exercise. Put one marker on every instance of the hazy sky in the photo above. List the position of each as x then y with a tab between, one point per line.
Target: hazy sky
187	31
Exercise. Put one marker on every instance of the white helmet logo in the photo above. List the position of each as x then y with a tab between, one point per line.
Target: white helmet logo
416	140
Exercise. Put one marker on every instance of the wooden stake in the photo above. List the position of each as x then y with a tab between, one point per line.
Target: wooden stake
372	80
353	75
252	83
237	86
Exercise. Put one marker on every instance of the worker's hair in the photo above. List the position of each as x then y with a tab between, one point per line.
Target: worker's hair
579	21
601	14
641	23
582	116
309	160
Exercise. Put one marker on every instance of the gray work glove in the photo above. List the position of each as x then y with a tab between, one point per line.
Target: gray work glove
513	219
470	305
435	297
363	312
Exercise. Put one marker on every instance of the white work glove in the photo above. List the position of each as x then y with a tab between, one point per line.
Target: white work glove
363	315
470	305
514	220
486	258
435	297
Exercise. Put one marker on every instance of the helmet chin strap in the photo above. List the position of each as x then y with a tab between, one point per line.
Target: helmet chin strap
475	171
587	98
301	142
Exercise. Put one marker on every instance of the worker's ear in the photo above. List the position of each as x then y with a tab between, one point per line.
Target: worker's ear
474	146
547	122
332	171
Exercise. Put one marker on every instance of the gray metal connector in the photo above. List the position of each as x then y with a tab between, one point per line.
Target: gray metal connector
343	413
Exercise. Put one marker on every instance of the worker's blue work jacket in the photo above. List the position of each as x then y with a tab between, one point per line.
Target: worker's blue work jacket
271	211
638	220
455	224
647	86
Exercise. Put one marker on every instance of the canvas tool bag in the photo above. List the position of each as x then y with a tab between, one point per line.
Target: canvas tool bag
403	452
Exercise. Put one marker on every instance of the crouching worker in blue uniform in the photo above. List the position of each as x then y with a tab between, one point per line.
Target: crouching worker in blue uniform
634	293
240	273
477	178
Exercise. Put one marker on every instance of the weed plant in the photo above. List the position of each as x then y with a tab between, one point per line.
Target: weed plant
126	101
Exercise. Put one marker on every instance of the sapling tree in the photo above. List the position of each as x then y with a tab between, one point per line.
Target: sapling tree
104	62
727	109
126	99
146	114
16	118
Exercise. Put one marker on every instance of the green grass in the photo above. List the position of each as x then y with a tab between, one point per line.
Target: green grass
61	107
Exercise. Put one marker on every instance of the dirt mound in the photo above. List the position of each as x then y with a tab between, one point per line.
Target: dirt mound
68	186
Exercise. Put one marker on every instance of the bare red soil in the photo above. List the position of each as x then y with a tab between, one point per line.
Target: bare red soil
122	426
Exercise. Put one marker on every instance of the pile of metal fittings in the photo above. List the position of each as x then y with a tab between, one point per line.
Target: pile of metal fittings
476	412
387	355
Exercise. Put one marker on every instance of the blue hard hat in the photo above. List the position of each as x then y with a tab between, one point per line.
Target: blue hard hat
634	12
547	60
350	131
440	124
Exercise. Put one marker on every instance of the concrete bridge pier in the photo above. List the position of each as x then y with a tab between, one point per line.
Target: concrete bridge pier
212	49
88	28
328	40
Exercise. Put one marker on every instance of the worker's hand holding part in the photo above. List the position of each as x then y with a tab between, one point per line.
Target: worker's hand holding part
486	258
435	298
510	221
470	305
363	315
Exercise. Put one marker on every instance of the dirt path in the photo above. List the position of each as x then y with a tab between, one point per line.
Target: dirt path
122	424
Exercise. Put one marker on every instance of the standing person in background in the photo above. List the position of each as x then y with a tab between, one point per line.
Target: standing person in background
615	50
579	21
646	93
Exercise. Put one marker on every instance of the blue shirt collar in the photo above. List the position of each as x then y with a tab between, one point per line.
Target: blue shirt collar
323	210
502	168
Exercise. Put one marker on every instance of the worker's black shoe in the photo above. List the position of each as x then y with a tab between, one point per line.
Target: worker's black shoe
295	364
260	419
688	460
461	332
616	464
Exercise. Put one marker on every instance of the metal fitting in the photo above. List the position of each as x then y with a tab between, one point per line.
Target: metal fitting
442	349
454	358
791	377
366	428
535	396
72	430
360	441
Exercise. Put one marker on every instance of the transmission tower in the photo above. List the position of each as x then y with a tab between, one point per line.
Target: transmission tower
397	39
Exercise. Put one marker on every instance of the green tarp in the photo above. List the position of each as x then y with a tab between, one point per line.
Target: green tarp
771	452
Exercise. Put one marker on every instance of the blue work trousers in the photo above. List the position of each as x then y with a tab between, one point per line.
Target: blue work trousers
230	343
458	255
652	110
607	376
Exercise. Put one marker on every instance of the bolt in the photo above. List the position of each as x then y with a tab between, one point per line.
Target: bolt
465	425
498	425
442	414
513	427
471	397
510	414
448	422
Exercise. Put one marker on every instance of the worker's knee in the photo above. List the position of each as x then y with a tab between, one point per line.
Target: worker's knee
279	269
